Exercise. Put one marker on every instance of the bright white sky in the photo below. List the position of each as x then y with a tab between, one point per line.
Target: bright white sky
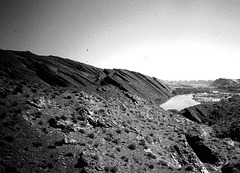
168	39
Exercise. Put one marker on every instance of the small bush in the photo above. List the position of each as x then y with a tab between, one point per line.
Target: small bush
151	155
69	154
124	158
37	144
142	142
151	166
116	141
163	163
114	169
106	168
91	135
118	131
68	97
132	146
127	130
64	117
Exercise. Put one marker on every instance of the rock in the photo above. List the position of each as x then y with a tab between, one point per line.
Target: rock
205	152
191	114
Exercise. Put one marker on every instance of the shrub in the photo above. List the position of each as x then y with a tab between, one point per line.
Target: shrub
151	166
68	97
142	142
91	135
118	131
106	168
64	117
114	169
116	141
124	158
69	154
132	146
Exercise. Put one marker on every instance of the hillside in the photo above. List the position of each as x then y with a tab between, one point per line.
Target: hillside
62	116
225	83
59	129
56	71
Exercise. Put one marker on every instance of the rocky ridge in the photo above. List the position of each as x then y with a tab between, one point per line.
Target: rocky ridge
56	71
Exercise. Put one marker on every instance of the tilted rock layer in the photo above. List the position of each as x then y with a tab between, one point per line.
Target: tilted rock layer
56	71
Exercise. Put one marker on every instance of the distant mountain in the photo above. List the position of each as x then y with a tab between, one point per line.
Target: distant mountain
225	83
56	71
188	83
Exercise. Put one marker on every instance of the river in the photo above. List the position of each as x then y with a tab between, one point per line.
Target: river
179	102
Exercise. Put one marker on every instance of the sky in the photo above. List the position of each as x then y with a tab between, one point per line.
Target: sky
167	39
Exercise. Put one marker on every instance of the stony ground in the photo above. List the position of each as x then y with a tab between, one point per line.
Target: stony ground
54	129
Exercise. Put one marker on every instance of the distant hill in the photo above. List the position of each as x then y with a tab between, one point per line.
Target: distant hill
225	83
56	71
188	83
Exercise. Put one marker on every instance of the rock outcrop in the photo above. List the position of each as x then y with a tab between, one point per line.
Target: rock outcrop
56	71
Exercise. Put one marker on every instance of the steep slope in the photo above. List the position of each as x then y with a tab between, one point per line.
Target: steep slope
56	71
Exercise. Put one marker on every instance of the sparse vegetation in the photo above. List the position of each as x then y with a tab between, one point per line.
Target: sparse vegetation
103	125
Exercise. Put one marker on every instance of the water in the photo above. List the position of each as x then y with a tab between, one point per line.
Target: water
179	102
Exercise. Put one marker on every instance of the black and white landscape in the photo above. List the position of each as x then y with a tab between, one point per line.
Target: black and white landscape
119	86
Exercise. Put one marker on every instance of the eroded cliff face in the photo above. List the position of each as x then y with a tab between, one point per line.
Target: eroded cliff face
56	71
